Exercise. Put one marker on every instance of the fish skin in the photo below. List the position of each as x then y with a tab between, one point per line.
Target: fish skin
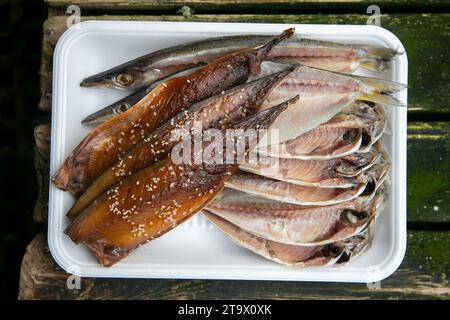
101	147
324	94
154	200
295	224
127	102
146	69
340	172
292	255
217	111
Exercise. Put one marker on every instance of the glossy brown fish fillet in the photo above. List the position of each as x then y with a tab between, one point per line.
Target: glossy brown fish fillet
154	200
217	111
101	147
304	256
340	172
295	224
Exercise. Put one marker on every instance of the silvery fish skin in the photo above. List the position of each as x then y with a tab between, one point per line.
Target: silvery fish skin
323	95
343	172
156	199
146	69
355	129
292	255
127	102
101	147
295	224
217	111
283	191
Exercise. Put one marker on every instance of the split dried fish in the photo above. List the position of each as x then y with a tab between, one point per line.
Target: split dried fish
102	146
295	224
156	199
343	172
146	69
323	95
215	112
304	195
294	255
356	128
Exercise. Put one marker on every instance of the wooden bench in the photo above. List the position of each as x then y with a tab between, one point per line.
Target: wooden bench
426	36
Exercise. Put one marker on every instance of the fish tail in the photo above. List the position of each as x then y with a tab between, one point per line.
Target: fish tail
379	91
375	58
263	50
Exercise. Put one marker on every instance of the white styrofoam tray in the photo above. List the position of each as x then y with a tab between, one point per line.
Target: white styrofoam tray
196	249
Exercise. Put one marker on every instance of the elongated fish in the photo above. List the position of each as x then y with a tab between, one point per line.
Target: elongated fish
293	255
156	199
305	195
127	102
101	147
356	128
343	172
217	111
295	224
146	69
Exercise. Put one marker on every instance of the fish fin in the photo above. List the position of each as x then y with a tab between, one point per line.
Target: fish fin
385	99
263	50
375	58
378	85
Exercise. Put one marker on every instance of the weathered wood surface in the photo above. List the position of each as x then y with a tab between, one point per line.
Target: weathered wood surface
428	175
422	275
235	5
428	172
429	76
41	164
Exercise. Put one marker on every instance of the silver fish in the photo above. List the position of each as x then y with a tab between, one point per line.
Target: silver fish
292	255
148	68
296	224
283	191
343	172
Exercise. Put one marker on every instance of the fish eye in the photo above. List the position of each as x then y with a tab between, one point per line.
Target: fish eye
123	107
124	79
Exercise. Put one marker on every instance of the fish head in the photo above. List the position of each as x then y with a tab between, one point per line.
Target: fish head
124	79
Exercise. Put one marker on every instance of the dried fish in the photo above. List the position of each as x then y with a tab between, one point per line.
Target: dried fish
127	102
217	111
323	95
321	54
102	146
343	172
295	224
294	255
156	199
306	195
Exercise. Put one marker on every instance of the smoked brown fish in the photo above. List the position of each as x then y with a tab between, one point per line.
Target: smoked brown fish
101	147
156	199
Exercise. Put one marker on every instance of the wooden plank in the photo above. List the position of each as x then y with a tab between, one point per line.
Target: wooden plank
429	76
41	164
249	5
422	275
428	174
